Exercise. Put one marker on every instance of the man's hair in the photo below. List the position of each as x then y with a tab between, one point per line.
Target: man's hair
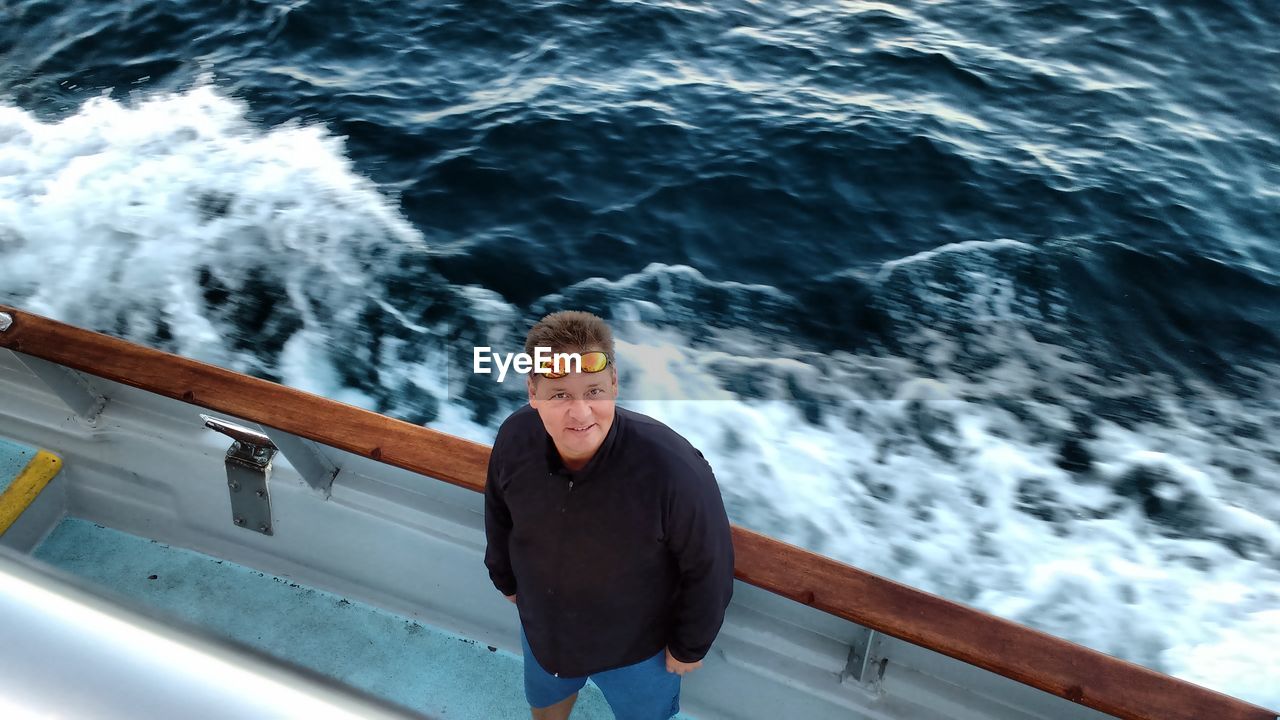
570	331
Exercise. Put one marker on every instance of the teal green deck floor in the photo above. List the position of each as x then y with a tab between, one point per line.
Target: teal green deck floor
416	666
13	460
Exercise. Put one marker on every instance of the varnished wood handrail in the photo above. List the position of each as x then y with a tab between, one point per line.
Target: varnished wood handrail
1043	661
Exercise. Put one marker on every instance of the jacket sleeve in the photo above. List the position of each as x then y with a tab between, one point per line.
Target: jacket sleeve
698	536
497	528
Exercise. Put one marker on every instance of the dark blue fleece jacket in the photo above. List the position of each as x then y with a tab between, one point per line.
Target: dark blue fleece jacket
613	562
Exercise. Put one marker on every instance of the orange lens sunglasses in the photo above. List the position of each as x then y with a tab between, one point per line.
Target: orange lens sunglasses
592	362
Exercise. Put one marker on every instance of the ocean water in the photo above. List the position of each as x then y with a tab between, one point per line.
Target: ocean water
983	297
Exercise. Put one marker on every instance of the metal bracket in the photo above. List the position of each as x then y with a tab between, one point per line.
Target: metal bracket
73	388
248	463
5	321
865	665
308	458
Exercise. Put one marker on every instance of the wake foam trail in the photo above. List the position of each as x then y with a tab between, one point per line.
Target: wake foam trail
150	221
175	222
986	458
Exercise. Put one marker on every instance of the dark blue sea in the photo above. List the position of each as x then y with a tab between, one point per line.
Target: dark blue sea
982	296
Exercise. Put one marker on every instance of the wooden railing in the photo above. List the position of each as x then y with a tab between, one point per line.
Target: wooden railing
1043	661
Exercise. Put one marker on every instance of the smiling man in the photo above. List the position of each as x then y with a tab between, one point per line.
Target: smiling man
607	530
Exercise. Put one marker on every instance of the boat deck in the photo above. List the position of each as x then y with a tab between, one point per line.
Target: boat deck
422	668
419	667
14	458
375	578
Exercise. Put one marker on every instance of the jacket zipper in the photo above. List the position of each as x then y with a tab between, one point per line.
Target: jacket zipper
555	636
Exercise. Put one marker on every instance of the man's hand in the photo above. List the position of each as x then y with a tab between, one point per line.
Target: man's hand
680	668
512	598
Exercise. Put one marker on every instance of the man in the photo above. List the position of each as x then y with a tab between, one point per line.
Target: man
607	530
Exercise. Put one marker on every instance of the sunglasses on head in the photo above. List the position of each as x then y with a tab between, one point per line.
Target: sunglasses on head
559	366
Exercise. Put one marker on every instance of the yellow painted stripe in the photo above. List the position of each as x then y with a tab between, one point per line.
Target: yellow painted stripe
24	488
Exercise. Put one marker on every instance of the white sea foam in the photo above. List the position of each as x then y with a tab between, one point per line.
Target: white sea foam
930	483
925	256
108	216
948	482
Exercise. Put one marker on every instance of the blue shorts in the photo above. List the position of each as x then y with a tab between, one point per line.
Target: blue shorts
643	691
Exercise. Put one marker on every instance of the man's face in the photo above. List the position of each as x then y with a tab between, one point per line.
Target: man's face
577	411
